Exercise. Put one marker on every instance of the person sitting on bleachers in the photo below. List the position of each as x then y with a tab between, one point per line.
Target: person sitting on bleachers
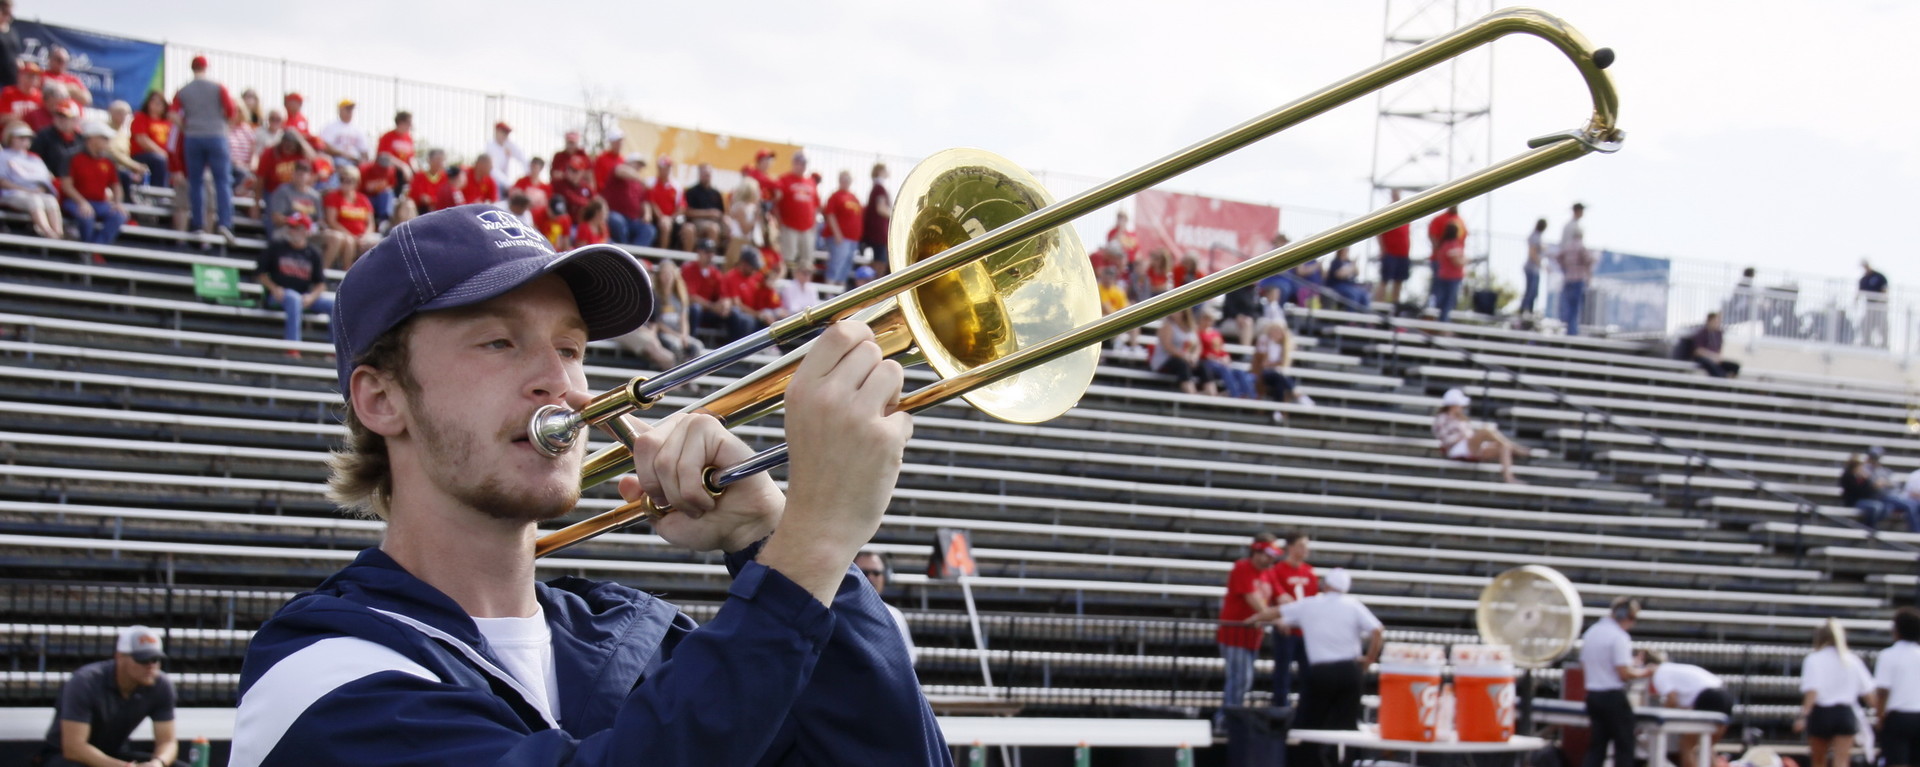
1272	359
1684	685
1216	364
91	187
23	96
1463	440
1178	351
795	290
755	304
295	196
1343	279
1867	486
293	275
348	232
424	189
1113	298
1706	349
59	139
26	184
277	162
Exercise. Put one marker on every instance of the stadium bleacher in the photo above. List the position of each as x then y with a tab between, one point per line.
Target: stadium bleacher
163	463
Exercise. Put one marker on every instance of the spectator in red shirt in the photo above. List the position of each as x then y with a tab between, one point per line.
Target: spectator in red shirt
1247	595
761	171
554	222
796	202
630	214
1448	233
425	189
573	184
52	96
1396	260
150	131
57	73
608	159
844	218
563	159
453	191
278	161
663	200
1290	580
297	120
1216	364
537	191
480	185
709	306
91	189
395	151
745	299
591	228
376	182
23	96
349	228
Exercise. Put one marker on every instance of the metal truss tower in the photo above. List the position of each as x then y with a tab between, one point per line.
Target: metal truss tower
1437	124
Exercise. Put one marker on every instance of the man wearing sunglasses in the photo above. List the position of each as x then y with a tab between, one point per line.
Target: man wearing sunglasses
104	701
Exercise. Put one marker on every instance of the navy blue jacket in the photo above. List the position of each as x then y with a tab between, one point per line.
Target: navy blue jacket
375	667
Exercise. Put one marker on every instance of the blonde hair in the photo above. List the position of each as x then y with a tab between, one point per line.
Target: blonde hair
1830	634
361	478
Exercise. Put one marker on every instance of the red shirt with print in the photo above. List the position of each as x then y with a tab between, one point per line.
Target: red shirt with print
354	213
799	202
665	196
576	195
745	288
562	160
480	188
1243	580
275	169
398	144
158	130
1292	582
73	83
703	280
554	227
16	102
376	177
768	185
527	184
845	210
297	122
425	189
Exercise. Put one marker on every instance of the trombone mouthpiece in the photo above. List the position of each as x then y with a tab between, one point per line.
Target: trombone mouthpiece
553	429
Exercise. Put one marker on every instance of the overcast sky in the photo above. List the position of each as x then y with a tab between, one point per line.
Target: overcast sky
1772	133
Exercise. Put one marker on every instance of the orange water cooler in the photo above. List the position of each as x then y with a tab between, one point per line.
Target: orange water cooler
1410	691
1485	699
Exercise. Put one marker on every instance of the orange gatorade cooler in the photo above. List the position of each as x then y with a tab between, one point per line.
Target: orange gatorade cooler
1483	684
1410	691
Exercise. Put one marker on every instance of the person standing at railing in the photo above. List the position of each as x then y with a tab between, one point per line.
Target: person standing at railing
1396	261
1576	268
796	203
1238	637
1873	304
1290	580
1536	255
1448	235
102	703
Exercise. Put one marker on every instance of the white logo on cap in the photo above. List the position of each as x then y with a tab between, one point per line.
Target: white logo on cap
510	225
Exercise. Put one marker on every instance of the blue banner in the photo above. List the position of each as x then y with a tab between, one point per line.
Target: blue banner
112	67
1630	292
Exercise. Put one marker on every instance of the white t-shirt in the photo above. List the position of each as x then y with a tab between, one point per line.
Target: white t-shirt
345	137
1603	650
1334	625
1834	679
1913	484
796	296
1898	672
1683	679
525	647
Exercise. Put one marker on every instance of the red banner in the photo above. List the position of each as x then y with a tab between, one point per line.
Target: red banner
1220	233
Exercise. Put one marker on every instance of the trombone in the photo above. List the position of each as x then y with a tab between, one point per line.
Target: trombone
990	284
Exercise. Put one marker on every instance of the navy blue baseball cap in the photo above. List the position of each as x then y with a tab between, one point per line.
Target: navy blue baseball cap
469	254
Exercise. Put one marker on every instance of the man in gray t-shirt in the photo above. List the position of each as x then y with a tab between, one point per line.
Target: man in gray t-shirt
295	196
102	704
206	112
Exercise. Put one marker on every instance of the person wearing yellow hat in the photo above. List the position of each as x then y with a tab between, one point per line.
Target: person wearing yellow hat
345	140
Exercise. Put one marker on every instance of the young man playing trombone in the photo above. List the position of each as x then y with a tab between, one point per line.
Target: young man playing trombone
439	647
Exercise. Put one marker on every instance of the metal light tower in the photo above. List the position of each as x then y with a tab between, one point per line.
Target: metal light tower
1438	124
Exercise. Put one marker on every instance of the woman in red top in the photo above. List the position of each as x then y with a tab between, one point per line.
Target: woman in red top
424	189
150	131
592	229
1159	273
1187	271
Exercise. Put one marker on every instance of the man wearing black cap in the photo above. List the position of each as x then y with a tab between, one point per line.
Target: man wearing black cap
103	702
440	647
